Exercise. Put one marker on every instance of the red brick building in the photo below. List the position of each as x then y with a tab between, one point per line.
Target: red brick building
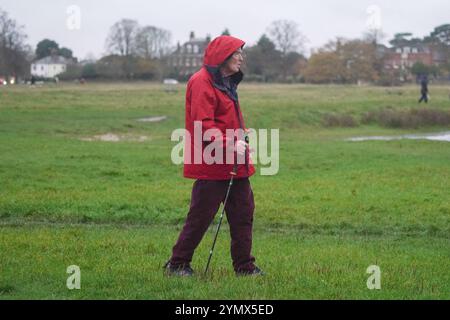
402	58
188	58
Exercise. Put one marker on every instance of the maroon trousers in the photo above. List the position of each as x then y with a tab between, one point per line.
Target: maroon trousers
207	195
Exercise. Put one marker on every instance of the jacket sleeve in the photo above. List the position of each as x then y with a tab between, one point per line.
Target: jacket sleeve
203	106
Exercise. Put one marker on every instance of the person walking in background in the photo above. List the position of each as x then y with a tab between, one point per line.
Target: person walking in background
424	89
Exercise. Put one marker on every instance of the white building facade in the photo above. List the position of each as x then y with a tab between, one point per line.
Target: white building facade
49	67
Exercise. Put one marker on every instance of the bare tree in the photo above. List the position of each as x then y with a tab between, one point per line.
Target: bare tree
153	42
121	38
286	36
11	34
288	40
13	49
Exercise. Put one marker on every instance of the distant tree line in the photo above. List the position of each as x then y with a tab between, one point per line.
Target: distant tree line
142	52
344	61
278	55
134	52
363	60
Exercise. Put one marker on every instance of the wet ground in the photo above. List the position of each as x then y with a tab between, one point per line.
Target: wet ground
438	136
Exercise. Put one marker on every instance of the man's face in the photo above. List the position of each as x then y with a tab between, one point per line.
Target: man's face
233	65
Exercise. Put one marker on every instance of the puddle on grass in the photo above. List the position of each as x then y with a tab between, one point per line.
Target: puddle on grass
153	119
439	136
111	137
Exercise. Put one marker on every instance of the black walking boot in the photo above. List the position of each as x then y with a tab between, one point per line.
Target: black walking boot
256	272
183	270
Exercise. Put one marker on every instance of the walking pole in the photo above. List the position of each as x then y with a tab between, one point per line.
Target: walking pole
233	174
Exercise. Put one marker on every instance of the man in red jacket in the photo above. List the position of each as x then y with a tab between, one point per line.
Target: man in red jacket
212	104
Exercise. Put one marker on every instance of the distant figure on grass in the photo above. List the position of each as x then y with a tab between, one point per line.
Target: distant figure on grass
424	89
212	98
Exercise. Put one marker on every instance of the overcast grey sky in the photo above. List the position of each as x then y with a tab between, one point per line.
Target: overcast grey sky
319	20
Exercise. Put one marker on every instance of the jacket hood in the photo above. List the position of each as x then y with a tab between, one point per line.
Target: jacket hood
220	49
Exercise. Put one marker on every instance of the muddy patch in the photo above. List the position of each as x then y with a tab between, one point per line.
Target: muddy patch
153	119
111	137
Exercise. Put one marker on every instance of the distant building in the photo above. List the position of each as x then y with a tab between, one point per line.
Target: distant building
49	67
405	56
188	58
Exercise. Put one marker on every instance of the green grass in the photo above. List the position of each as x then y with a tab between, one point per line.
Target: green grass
126	263
115	209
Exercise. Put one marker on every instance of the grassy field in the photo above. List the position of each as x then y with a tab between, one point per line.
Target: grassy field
115	208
